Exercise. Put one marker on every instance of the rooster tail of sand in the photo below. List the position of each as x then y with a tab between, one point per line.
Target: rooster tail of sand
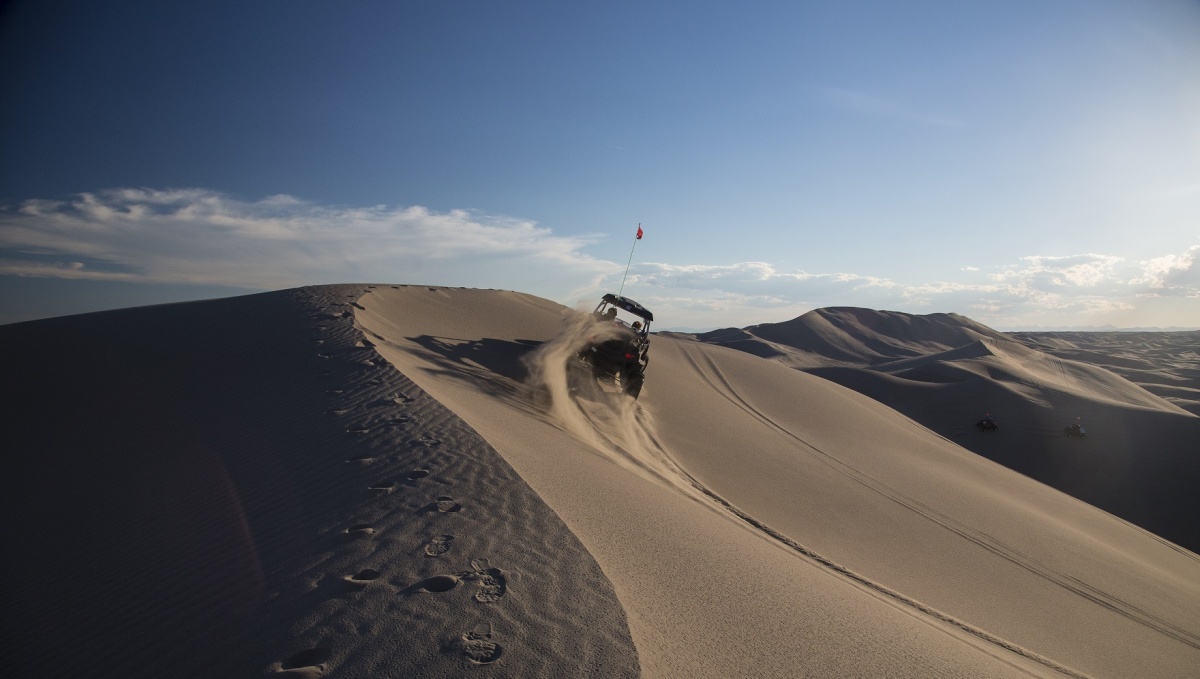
595	413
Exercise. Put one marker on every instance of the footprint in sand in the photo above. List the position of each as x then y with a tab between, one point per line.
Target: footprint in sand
361	460
390	400
383	487
446	505
316	340
439	545
307	663
338	411
479	646
335	392
358	306
361	530
361	429
325	354
436	584
362	578
417	474
492	583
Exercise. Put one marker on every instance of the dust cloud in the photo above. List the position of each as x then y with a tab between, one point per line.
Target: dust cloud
597	412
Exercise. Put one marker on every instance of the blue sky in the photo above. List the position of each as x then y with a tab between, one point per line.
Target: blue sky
1022	163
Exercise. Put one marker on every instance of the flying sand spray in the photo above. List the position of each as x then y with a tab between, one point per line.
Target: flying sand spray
614	424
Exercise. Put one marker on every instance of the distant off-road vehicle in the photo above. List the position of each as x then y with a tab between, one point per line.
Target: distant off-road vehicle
618	348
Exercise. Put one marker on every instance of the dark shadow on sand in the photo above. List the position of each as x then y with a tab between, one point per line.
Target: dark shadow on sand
493	366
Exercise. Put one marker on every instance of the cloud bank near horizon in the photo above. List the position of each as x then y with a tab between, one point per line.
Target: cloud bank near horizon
1090	288
203	237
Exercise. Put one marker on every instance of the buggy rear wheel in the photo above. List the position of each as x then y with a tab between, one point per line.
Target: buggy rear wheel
633	385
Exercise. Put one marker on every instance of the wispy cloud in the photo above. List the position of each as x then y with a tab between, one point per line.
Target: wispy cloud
760	276
1172	275
205	237
1033	287
1060	272
197	236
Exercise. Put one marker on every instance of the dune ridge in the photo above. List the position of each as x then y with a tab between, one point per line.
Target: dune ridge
378	480
243	487
947	372
838	482
852	336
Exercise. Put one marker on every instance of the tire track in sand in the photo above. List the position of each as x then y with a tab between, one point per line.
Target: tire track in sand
712	374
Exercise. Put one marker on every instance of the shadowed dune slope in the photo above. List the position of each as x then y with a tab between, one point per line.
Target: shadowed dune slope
947	372
241	488
756	520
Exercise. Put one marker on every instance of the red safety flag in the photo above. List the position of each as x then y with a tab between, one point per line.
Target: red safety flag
639	236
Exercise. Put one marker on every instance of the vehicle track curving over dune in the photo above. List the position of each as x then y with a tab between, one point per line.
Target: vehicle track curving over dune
704	365
621	427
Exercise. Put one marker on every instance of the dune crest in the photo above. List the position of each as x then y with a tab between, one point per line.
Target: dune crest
855	336
244	487
799	482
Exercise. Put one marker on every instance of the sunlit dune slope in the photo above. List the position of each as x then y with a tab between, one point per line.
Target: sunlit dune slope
947	372
1166	364
759	521
852	336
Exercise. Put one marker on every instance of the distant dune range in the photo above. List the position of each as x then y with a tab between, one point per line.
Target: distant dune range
1135	393
406	481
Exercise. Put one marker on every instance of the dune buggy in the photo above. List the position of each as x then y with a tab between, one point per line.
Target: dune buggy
617	348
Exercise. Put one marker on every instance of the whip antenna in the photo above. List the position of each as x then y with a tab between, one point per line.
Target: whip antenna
635	240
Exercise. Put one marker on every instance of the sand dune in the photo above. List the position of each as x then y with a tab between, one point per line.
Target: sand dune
405	481
947	372
1164	363
812	477
852	336
243	486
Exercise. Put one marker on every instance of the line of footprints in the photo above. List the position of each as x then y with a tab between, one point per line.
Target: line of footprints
477	645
